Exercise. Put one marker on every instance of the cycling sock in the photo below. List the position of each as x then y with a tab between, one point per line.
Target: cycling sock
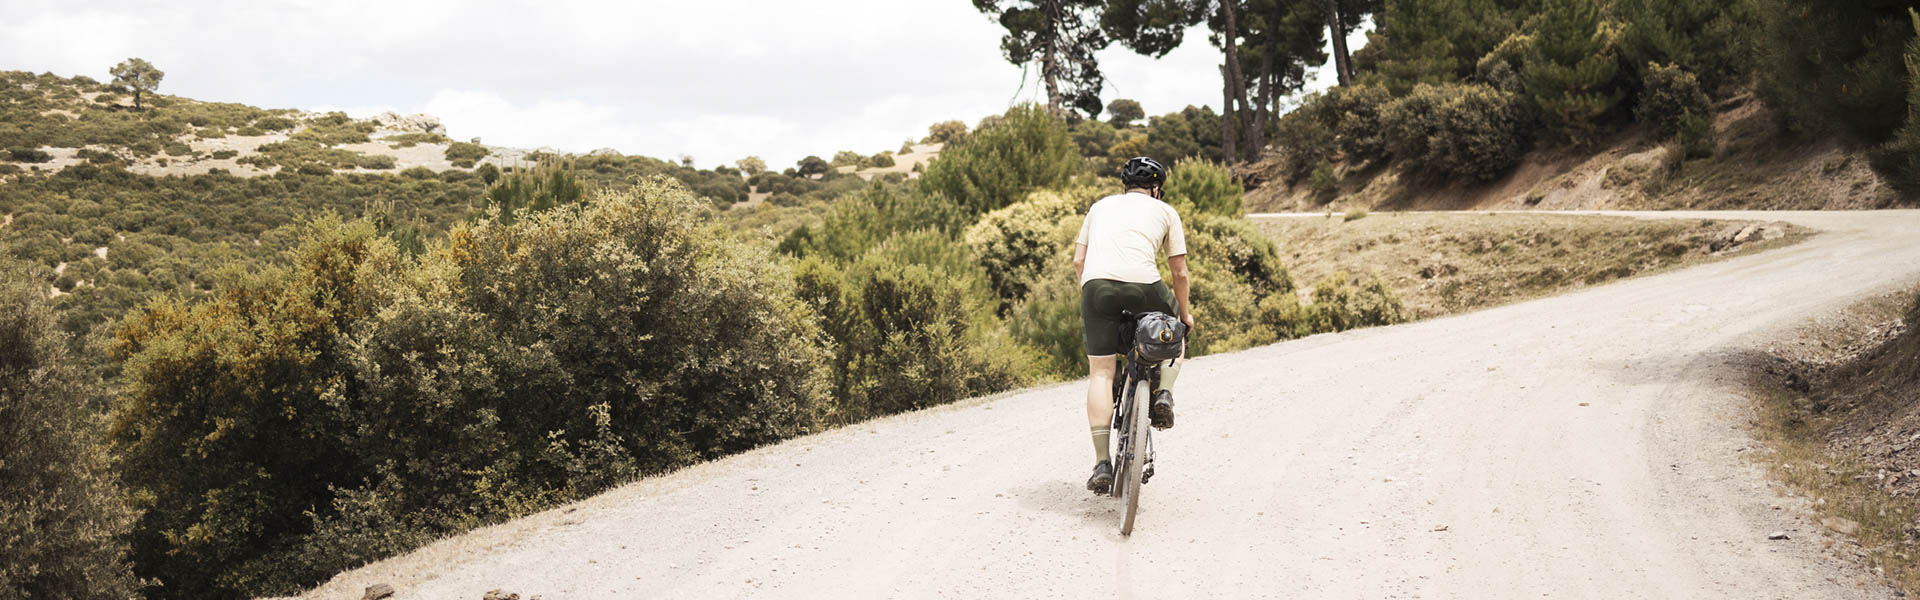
1170	372
1101	435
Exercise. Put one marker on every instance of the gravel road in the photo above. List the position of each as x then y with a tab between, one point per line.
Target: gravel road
1591	445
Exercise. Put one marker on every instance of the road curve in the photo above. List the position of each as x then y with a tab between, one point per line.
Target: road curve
1590	445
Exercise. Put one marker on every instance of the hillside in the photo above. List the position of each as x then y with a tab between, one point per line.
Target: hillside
1753	166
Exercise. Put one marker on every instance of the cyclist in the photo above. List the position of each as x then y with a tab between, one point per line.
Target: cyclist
1115	257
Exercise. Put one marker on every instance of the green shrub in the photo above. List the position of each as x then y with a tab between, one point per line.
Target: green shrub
409	140
1200	186
1192	132
210	133
1017	243
1670	94
225	154
1696	135
912	326
1456	130
1355	112
1339	305
98	157
524	192
376	161
61	511
857	223
464	154
880	161
1093	138
1304	138
178	149
273	124
847	158
29	155
946	132
313	168
1324	183
6	169
555	351
1354	214
1025	150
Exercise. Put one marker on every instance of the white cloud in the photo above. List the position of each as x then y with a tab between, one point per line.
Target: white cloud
717	80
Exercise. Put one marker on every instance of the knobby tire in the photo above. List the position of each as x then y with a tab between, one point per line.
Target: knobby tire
1136	424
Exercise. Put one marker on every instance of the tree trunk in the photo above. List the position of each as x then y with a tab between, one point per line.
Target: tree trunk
1264	110
1342	62
1228	132
1236	83
1050	60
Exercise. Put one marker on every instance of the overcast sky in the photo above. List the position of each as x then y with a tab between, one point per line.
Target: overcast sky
715	80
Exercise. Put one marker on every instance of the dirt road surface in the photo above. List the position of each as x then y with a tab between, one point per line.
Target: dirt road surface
1590	445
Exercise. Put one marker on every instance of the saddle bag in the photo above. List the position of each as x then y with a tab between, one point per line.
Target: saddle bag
1158	336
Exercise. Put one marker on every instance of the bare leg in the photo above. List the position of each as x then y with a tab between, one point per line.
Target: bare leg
1100	390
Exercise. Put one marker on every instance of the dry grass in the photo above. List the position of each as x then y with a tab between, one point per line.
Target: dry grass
1812	404
1441	263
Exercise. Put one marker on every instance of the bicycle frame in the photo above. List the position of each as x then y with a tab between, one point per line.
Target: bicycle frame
1131	370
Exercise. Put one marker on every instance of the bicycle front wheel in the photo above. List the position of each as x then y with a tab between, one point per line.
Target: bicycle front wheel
1136	424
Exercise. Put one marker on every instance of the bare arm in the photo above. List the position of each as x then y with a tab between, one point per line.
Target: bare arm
1080	261
1181	279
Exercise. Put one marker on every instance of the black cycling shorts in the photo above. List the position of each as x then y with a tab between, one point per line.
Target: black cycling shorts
1102	301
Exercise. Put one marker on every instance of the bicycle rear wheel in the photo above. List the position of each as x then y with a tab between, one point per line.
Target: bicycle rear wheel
1136	451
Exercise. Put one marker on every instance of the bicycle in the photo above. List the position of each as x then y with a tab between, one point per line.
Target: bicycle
1133	453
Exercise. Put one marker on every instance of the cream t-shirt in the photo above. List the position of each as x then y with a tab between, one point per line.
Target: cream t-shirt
1124	232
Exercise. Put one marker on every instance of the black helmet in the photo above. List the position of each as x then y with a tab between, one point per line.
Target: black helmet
1143	172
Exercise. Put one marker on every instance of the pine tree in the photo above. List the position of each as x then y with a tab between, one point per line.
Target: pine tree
1572	68
1060	35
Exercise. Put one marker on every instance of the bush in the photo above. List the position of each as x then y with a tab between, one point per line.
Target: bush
1456	130
880	161
1670	94
946	132
463	154
1354	214
1016	244
61	511
1200	186
1324	183
1355	114
554	351
225	154
1093	138
178	149
409	140
29	155
272	124
912	325
857	223
1304	138
1025	150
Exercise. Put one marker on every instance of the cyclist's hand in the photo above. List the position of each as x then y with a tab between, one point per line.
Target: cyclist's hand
1188	319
